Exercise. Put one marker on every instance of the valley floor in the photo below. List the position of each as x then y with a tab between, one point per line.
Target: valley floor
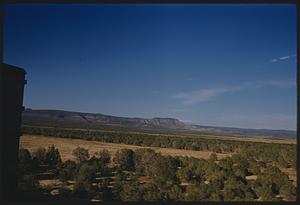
66	146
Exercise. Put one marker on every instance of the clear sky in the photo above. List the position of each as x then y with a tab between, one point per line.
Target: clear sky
220	65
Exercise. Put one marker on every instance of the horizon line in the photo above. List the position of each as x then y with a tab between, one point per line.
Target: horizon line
185	122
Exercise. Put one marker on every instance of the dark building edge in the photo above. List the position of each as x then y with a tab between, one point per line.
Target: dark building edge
12	91
298	103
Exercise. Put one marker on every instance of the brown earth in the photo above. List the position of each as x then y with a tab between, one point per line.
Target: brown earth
66	146
291	173
232	137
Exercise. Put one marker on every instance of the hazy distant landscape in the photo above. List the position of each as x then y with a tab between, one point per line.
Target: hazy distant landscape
192	158
100	121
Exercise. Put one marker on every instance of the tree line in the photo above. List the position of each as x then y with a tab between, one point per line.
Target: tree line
144	175
284	154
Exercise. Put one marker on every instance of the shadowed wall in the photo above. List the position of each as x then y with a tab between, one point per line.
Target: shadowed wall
13	81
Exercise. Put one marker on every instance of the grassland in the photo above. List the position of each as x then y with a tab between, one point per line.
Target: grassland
231	137
66	146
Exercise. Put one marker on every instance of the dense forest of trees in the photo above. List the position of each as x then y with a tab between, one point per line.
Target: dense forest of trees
144	175
283	154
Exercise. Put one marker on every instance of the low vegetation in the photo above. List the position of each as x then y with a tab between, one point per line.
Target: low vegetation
144	175
285	154
247	171
67	145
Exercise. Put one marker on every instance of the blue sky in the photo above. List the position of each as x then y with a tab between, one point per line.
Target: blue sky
220	65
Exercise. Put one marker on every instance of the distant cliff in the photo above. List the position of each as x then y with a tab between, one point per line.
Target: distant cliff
66	117
78	119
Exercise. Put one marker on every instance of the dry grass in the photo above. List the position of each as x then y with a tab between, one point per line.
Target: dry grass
232	137
291	173
55	184
250	139
50	182
252	177
66	146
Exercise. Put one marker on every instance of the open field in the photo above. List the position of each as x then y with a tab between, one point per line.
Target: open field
230	137
66	146
236	137
252	139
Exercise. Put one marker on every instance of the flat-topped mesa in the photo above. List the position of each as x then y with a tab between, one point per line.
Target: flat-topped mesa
170	123
60	116
98	120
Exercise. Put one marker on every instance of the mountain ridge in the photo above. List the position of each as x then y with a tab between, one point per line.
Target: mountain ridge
60	115
51	116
